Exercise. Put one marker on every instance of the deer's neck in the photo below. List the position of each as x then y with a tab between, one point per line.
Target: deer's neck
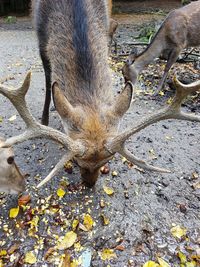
153	50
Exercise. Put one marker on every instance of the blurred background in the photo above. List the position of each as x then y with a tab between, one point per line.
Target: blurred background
22	7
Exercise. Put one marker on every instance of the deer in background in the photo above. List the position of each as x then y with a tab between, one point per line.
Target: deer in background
73	40
179	30
11	180
113	23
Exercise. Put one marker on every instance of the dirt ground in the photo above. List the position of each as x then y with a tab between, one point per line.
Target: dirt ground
144	207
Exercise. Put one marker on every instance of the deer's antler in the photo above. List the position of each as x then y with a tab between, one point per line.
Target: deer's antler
173	111
37	130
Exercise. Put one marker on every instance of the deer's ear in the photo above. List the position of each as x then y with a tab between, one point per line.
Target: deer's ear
62	105
123	100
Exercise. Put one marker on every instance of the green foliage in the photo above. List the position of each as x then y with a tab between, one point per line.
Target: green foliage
10	19
146	33
185	2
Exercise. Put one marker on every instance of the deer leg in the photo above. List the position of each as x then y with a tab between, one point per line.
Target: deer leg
47	71
112	30
171	60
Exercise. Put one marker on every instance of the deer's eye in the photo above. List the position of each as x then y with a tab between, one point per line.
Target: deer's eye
10	160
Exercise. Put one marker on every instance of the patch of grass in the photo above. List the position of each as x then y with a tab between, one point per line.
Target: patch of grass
146	33
11	19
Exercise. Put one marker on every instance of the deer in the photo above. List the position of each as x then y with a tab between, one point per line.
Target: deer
11	179
82	91
179	30
113	24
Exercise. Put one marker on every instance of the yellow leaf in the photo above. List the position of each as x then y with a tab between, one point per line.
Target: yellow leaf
108	190
191	264
151	264
14	212
3	253
114	173
1	263
182	257
161	93
61	192
88	222
74	263
178	231
108	254
169	101
34	222
30	258
68	240
75	224
163	263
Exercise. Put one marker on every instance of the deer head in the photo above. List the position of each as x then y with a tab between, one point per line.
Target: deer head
11	180
92	150
92	128
129	71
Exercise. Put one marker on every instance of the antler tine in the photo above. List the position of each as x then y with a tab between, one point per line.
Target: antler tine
57	168
34	128
173	111
17	98
140	163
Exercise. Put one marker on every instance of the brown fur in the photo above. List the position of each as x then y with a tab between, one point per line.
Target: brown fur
73	39
11	179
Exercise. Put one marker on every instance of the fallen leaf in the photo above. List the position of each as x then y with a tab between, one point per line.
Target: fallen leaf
108	190
1	119
114	173
34	222
14	212
196	185
124	160
88	222
3	252
30	258
75	224
120	248
195	175
162	263
178	231
68	240
13	248
151	264
12	118
108	254
182	257
102	203
161	93
68	167
191	264
49	252
169	101
23	200
105	220
82	227
67	260
1	263
61	192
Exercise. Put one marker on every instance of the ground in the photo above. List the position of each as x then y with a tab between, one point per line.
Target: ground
135	223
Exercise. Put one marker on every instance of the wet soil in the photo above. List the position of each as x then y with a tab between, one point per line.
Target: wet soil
144	206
